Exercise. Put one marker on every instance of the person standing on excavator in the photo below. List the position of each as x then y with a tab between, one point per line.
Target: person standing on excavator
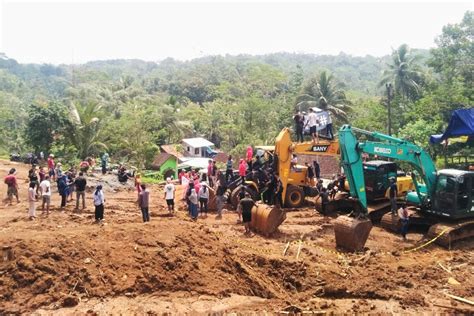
313	123
310	174
393	192
299	126
317	169
229	170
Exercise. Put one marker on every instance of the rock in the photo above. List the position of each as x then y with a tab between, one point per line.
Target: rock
453	281
70	301
87	260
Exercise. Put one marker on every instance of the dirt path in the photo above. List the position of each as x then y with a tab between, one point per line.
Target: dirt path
66	264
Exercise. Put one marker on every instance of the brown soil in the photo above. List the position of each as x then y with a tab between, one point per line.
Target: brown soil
66	264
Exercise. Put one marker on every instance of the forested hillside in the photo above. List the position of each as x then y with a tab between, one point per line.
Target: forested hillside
130	107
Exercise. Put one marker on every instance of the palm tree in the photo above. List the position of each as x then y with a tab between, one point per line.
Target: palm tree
326	93
86	118
404	73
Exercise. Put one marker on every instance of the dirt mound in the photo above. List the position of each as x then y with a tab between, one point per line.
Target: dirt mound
64	262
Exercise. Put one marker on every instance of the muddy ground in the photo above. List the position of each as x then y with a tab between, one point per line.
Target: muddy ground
66	264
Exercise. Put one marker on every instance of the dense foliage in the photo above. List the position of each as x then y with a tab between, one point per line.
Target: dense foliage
130	107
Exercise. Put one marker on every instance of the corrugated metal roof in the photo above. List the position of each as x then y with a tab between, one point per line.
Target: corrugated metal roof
197	142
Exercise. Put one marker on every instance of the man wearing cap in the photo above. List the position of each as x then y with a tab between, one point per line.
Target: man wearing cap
169	195
393	192
246	205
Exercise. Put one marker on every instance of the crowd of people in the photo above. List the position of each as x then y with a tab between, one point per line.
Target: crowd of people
68	182
252	169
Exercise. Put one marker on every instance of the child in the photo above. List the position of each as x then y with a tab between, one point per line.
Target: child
32	200
99	200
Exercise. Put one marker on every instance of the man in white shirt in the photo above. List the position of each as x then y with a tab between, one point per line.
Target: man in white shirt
313	123
169	195
45	187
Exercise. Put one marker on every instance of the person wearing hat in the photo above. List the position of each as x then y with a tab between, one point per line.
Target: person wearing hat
99	200
169	195
393	192
12	186
246	205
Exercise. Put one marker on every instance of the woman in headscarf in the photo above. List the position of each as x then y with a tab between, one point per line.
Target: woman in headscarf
193	204
99	200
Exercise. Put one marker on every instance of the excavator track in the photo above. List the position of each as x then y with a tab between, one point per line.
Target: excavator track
449	233
446	233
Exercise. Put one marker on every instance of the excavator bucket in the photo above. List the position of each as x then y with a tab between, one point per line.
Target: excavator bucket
266	218
352	233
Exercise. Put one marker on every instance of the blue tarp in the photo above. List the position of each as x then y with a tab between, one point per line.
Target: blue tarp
461	124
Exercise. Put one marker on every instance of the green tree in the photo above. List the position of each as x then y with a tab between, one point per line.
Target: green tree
325	87
45	124
87	124
404	72
454	56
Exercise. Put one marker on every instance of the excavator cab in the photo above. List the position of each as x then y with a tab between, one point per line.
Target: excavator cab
377	174
454	194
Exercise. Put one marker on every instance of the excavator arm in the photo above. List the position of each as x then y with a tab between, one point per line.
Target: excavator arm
387	146
285	148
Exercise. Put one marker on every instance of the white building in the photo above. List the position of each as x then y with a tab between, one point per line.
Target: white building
198	147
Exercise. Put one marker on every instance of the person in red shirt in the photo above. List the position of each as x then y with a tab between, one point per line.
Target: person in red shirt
12	185
51	166
249	157
84	166
242	169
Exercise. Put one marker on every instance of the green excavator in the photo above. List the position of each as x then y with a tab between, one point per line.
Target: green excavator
444	201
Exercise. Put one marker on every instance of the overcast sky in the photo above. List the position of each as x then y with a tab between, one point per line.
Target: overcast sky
80	31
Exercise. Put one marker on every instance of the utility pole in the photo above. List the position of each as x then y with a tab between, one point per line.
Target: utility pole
388	86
